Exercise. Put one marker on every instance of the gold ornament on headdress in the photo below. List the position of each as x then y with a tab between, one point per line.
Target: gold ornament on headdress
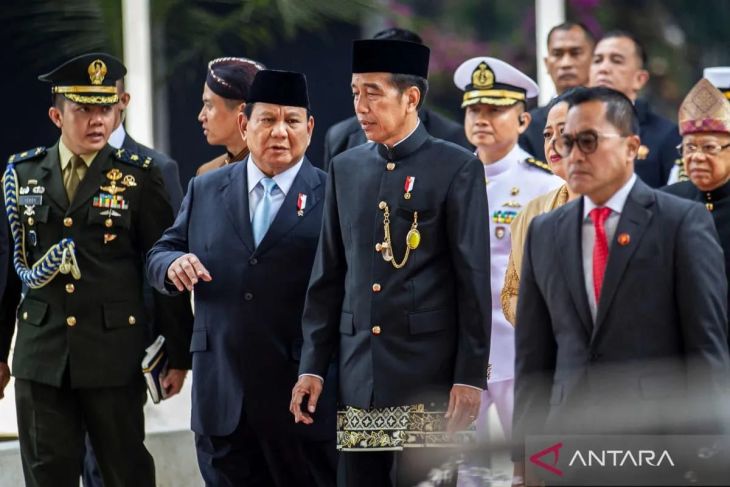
97	71
483	77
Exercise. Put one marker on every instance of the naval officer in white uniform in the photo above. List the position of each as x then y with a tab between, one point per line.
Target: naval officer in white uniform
495	115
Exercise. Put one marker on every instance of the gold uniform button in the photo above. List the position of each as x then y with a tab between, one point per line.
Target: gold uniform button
31	221
108	223
70	288
376	288
71	321
378	247
376	330
132	320
25	315
382	205
390	166
67	222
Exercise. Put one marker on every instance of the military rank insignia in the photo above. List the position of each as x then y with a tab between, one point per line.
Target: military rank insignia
301	204
643	152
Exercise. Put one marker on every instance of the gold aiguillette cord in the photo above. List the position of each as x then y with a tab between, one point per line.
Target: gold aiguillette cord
413	238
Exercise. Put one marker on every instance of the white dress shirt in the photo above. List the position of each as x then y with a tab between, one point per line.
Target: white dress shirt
116	139
588	234
283	181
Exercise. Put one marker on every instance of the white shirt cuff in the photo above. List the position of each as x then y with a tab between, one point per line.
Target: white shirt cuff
473	387
313	375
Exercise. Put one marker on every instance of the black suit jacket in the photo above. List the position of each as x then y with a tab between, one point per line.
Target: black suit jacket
348	134
247	336
168	168
433	314
659	342
661	137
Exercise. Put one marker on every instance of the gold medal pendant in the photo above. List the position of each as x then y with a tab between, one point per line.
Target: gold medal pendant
413	239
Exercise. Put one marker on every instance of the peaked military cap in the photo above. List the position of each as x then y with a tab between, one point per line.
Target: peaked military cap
89	79
720	77
231	77
390	56
491	81
704	109
285	88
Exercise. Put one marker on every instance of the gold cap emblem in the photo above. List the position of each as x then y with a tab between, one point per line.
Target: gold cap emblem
483	77
97	71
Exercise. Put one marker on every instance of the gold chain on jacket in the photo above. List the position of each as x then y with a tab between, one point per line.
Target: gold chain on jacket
413	238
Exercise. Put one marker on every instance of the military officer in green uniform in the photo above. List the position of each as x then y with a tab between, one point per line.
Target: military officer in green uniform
82	216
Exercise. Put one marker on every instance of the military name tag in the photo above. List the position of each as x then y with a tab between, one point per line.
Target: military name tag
30	200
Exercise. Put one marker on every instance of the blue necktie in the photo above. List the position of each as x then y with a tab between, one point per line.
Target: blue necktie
262	214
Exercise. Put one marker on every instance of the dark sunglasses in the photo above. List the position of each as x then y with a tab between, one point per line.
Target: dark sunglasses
587	142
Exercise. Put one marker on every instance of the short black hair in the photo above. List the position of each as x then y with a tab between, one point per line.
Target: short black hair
638	46
563	97
620	111
58	101
398	34
571	25
230	103
404	81
248	110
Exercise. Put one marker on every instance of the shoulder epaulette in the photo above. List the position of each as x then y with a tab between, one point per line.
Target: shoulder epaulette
26	155
133	159
538	164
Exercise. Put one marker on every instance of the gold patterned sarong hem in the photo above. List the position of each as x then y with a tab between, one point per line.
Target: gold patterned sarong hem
395	428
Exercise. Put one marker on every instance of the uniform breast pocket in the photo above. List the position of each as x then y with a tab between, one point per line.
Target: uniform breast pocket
411	213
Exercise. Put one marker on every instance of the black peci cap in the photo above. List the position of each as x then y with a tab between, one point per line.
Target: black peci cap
390	56
231	77
285	88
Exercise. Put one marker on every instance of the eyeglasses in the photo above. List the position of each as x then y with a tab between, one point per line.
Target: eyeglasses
686	150
587	142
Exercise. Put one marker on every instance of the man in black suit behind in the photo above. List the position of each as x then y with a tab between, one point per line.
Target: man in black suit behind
347	133
168	166
245	239
588	331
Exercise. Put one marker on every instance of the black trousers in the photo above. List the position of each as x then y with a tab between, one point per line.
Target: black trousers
52	422
405	468
255	456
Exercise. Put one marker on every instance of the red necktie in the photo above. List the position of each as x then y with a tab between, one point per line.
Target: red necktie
600	248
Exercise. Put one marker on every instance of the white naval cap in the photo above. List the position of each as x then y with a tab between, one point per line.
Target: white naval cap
719	76
493	82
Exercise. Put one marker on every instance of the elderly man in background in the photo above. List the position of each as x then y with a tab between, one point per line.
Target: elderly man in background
704	123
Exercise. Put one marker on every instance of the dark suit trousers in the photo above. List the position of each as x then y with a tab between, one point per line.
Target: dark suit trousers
52	422
255	457
394	469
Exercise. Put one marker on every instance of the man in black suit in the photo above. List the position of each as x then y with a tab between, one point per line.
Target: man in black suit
570	51
347	133
596	352
619	62
168	166
249	268
400	281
